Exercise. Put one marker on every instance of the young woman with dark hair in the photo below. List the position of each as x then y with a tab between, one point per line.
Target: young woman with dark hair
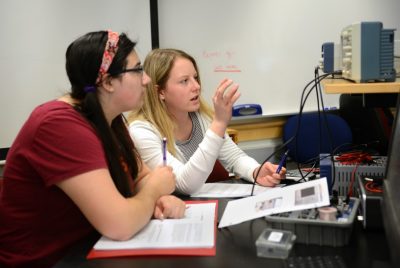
73	169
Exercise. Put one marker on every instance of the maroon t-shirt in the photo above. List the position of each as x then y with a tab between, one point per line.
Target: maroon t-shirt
38	221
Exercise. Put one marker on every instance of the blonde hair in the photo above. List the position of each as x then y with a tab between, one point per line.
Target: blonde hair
158	65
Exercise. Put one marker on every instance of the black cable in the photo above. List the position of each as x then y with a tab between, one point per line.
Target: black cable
316	85
328	131
269	157
303	99
317	79
302	103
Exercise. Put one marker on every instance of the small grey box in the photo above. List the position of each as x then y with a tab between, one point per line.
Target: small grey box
273	243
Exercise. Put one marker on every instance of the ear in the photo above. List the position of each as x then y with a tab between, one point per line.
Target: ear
161	93
107	84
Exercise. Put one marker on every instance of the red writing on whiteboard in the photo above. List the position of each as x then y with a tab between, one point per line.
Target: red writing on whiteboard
211	54
223	60
227	69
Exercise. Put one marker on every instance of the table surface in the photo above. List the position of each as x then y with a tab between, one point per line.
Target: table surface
236	248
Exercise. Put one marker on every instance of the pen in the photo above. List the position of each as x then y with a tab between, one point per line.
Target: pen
282	162
164	142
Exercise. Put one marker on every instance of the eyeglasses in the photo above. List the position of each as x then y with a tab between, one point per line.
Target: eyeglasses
137	69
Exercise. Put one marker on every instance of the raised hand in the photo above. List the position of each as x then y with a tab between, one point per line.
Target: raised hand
224	97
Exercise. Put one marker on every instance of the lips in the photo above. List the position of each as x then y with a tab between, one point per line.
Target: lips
195	98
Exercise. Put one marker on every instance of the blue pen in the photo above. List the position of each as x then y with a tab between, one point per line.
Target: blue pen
282	162
164	141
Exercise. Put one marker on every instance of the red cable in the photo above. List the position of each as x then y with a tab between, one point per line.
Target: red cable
353	175
372	187
354	158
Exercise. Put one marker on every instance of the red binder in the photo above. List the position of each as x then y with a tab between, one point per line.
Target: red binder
94	254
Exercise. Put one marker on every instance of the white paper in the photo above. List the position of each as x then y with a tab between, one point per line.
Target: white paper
300	196
195	230
226	190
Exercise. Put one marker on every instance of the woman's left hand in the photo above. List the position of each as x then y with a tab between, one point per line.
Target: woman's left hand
268	176
169	206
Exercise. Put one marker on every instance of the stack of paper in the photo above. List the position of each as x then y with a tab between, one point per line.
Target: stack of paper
192	235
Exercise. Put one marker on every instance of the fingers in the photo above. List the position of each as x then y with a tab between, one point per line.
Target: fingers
169	207
272	168
269	181
223	101
168	168
166	176
232	95
158	214
268	176
174	212
222	92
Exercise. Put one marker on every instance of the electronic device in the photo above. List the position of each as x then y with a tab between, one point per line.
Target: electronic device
322	261
391	190
343	173
367	52
327	61
331	57
246	109
370	201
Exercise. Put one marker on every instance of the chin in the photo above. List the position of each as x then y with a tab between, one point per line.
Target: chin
194	109
196	106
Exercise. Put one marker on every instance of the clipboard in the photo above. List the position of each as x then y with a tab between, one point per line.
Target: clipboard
211	251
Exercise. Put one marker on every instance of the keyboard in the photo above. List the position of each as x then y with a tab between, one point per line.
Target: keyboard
316	262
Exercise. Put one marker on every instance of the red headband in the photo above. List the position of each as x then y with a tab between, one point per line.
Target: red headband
108	55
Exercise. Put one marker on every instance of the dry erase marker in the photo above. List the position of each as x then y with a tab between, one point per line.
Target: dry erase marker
164	144
282	162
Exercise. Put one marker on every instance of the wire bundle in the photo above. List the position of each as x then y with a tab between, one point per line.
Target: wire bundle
355	158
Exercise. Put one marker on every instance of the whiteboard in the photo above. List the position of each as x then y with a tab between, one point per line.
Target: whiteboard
269	47
34	38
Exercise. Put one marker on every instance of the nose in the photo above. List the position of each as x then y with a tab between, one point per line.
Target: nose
196	85
145	79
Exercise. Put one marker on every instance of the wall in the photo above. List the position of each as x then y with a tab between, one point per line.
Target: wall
34	38
269	47
274	44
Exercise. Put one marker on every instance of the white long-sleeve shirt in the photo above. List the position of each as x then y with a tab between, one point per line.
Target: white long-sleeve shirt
192	174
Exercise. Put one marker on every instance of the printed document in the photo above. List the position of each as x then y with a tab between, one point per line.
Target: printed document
195	230
299	196
228	190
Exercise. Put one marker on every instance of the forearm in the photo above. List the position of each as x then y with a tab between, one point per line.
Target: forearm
218	127
127	216
191	175
237	161
110	213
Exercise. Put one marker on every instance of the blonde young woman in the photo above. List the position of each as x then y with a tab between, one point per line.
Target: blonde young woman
196	135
